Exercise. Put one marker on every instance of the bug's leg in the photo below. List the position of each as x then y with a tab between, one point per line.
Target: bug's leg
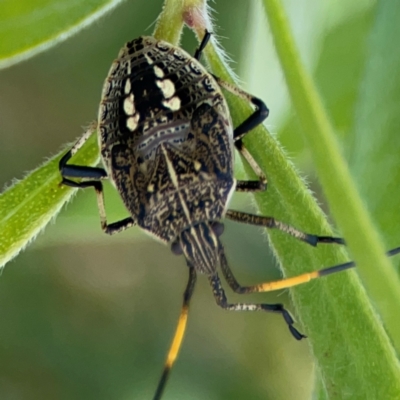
79	171
110	229
272	223
221	300
286	282
256	118
179	332
203	44
250	186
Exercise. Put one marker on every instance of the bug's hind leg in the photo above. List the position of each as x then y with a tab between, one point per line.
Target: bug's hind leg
221	300
179	333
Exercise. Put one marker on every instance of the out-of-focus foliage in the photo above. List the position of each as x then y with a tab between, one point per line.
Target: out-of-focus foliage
28	27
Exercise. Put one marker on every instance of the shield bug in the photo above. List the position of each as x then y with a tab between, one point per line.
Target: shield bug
167	144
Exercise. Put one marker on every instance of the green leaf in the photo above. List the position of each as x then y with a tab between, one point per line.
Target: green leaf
28	27
374	156
29	205
338	76
342	325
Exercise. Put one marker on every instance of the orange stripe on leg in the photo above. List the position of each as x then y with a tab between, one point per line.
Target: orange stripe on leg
286	283
178	337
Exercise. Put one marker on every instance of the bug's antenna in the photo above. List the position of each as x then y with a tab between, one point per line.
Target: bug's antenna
178	337
303	278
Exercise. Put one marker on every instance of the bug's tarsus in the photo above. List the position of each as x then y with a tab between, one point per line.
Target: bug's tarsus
179	333
393	252
330	239
349	264
202	45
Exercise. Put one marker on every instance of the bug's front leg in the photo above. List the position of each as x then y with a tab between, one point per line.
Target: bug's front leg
95	175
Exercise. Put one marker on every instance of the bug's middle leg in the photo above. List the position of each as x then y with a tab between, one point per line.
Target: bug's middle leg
272	223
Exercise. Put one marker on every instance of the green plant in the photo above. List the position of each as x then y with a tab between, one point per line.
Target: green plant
335	311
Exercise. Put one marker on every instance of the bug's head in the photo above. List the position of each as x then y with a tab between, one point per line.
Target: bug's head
200	245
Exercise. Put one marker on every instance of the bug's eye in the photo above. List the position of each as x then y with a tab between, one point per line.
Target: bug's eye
218	228
177	248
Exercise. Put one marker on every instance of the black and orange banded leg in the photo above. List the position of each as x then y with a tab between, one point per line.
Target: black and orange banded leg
272	286
179	333
286	282
221	300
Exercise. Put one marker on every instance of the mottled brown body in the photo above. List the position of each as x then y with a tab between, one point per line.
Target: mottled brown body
166	138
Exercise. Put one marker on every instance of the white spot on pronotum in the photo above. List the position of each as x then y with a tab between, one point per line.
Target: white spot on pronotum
167	87
158	71
129	106
173	103
150	188
197	165
132	122
128	86
148	58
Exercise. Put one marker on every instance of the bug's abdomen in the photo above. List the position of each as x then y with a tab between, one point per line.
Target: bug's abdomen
174	212
166	137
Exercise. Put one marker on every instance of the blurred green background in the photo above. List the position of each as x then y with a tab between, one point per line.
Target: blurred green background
87	316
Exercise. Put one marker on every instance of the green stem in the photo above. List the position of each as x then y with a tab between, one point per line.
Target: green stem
170	22
345	203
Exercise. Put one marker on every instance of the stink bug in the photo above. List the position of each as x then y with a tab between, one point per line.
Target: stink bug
167	143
